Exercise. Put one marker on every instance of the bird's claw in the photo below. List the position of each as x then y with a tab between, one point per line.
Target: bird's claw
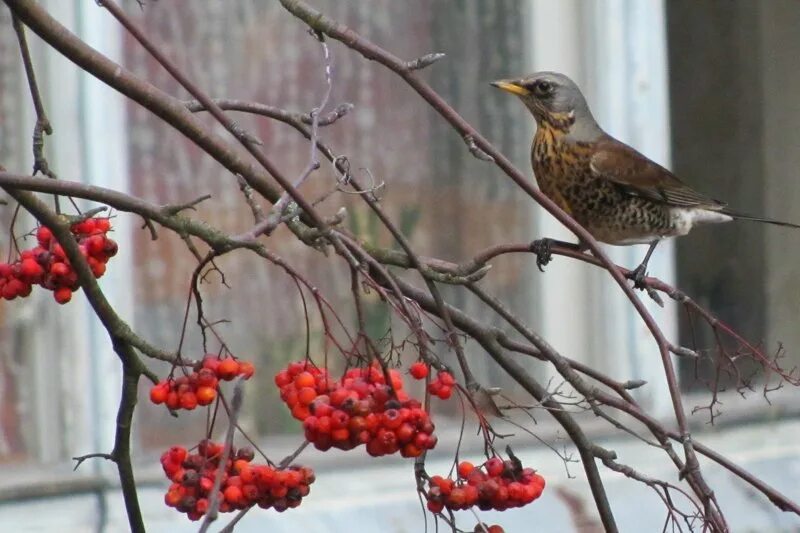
543	250
637	275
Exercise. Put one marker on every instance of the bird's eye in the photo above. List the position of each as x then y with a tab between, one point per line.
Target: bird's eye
543	88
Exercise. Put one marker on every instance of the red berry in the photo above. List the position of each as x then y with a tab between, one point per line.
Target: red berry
43	235
206	378
282	378
300	412
211	362
29	268
464	468
188	400
102	224
173	400
98	269
392	419
246	369
435	506
177	454
63	295
95	244
158	394
405	433
494	466
206	484
446	378
172	498
340	435
233	494
418	370
59	269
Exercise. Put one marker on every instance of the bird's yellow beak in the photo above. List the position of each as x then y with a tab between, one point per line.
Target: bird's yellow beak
512	87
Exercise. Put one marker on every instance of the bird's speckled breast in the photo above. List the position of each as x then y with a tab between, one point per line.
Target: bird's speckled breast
562	171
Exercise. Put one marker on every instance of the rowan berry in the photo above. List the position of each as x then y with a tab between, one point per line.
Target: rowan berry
228	369
418	370
63	295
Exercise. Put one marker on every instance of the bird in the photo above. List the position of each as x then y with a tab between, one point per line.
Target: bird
616	193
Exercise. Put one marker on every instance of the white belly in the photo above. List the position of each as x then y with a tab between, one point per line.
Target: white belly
685	218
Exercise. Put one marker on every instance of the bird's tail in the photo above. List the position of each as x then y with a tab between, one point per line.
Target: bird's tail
742	216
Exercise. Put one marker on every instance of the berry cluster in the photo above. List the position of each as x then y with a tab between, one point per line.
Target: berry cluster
483	528
361	408
500	485
199	387
442	385
47	265
243	484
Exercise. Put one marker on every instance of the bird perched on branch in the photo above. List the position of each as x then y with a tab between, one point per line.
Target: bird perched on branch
620	196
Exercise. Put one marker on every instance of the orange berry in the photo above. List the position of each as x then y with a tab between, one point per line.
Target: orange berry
205	395
340	435
98	269
410	450
300	412
228	369
158	394
246	369
247	473
306	395
304	379
397	379
239	465
233	494
464	468
172	498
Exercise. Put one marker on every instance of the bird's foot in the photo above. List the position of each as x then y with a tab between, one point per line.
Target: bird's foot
543	250
637	275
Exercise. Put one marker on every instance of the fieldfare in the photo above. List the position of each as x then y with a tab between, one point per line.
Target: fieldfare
620	196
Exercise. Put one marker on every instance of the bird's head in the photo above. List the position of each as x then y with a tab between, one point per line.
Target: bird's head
551	97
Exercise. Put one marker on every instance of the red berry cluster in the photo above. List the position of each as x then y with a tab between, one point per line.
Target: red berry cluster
442	385
358	409
483	528
500	485
243	484
199	387
47	265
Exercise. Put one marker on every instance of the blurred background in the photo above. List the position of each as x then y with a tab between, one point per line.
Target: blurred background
709	89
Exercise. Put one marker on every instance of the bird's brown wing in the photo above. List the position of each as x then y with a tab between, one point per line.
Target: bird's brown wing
638	176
